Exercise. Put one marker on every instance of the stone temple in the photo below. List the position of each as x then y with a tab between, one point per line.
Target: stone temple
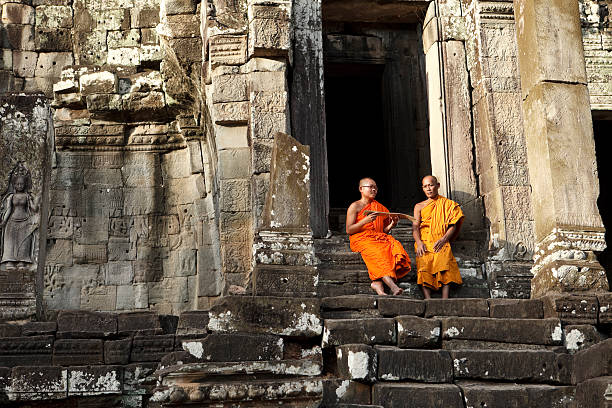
174	177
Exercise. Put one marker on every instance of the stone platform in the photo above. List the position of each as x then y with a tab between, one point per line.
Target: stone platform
345	351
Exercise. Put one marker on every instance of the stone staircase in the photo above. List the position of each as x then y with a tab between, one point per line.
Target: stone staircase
342	351
342	272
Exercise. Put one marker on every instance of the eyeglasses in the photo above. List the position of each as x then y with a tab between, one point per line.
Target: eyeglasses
371	187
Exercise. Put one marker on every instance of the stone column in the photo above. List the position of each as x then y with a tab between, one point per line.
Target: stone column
560	148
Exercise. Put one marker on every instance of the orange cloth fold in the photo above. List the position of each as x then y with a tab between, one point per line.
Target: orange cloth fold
435	269
382	254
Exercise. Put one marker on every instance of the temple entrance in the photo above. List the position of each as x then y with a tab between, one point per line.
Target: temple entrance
602	129
375	110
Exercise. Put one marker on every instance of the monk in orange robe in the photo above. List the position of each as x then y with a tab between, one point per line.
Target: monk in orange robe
438	221
384	256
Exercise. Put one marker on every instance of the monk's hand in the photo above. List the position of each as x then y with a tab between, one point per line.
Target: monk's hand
421	249
440	244
370	217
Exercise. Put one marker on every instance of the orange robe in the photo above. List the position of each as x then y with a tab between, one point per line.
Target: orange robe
435	269
382	254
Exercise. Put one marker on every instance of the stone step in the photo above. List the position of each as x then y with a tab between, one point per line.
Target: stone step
283	316
526	331
528	366
409	394
470	289
249	391
200	371
481	394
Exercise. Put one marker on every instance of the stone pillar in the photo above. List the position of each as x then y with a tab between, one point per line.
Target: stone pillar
451	130
26	144
560	148
308	104
500	152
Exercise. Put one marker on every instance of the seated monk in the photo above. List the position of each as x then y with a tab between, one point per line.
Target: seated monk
384	256
438	221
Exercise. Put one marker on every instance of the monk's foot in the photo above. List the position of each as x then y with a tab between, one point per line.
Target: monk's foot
378	288
398	291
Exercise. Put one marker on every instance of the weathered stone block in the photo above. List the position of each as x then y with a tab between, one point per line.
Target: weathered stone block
24	63
235	347
227	50
119	250
571	309
349	302
507	365
366	331
231	113
85	254
416	332
183	26
118	273
269	33
91	230
356	362
193	323
151	348
418	365
54	17
235	195
283	316
188	50
346	392
18	37
10	330
269	280
147	271
516	308
515	395
117	351
605	308
69	352
170	7
82	324
528	331
579	337
53	39
122	39
593	393
400	307
26	351
15	13
39	328
230	88
457	307
139	323
95	380
27	383
102	82
144	17
596	361
417	395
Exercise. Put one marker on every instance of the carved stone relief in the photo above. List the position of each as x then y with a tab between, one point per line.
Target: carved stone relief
19	222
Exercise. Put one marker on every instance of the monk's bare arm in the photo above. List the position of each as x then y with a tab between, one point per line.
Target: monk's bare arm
416	231
352	226
445	238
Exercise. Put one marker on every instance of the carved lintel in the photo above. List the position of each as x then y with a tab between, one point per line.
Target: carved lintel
565	262
291	248
496	10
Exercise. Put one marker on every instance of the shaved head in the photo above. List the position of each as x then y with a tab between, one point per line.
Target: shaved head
365	181
433	179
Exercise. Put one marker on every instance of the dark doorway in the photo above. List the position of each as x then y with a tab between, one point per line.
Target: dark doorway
376	112
602	129
353	96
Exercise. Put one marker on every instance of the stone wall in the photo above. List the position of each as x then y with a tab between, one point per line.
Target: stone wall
597	41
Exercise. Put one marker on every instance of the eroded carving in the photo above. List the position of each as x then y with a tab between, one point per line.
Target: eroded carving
19	221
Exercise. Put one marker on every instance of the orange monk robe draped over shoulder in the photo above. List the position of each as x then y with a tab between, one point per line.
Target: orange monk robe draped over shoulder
435	269
382	254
